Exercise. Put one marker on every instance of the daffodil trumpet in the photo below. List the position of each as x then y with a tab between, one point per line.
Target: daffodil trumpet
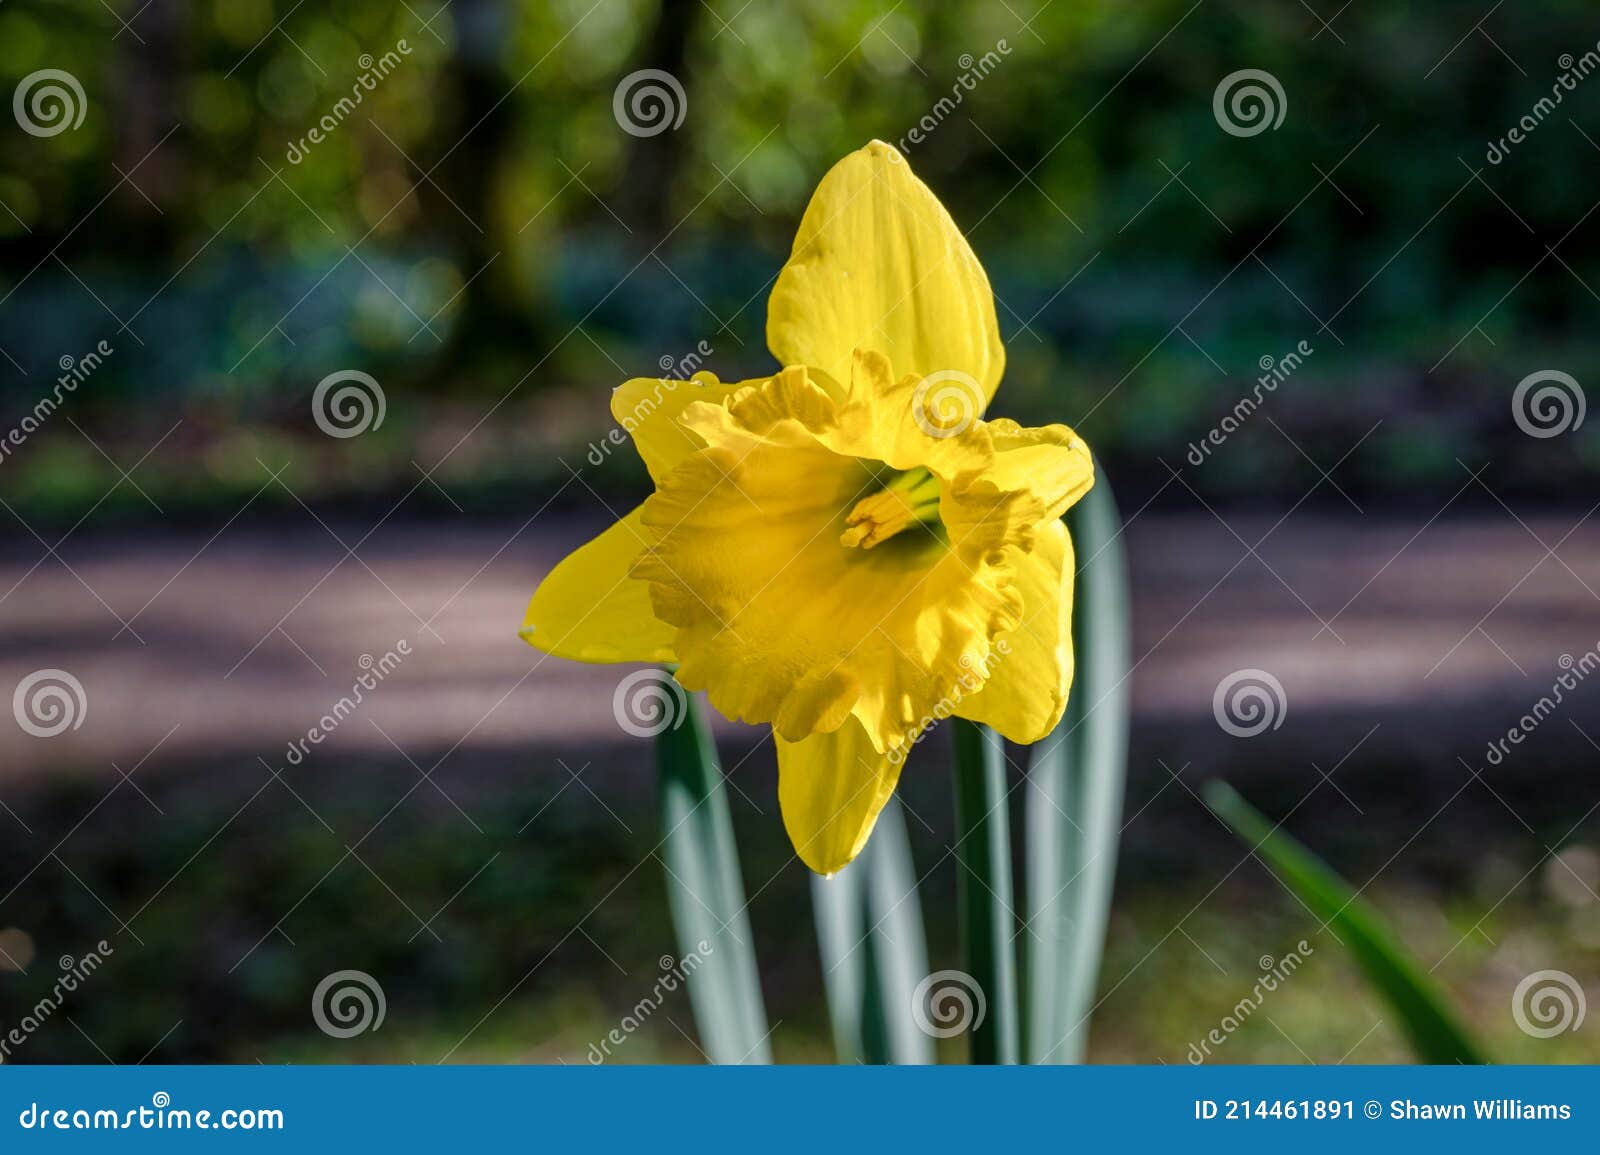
847	548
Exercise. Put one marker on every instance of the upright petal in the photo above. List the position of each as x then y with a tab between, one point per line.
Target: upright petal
1030	667
589	609
830	789
879	264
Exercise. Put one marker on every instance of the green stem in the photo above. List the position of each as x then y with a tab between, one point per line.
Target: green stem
874	1020
983	888
706	892
839	908
874	952
1074	794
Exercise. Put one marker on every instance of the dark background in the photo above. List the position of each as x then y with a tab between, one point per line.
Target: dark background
482	237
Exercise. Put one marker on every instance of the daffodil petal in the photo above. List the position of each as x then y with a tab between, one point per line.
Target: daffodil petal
879	264
880	419
779	620
830	789
1051	461
647	409
1030	667
589	609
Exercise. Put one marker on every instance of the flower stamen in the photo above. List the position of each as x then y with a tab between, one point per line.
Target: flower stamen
908	499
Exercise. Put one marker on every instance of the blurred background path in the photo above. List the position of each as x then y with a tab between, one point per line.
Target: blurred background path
199	642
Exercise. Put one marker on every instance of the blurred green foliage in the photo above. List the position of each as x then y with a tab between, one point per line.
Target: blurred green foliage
479	231
235	931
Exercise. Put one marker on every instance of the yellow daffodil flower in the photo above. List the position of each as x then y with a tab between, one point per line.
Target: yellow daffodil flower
845	550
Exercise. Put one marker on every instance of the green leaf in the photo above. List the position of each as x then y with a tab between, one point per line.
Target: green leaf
1074	794
983	889
874	952
838	905
705	889
1421	1006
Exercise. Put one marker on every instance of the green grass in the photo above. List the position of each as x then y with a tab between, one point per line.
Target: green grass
1178	957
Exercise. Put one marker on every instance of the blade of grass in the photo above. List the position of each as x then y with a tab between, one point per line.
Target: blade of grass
706	891
1422	1007
874	952
983	888
1075	790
